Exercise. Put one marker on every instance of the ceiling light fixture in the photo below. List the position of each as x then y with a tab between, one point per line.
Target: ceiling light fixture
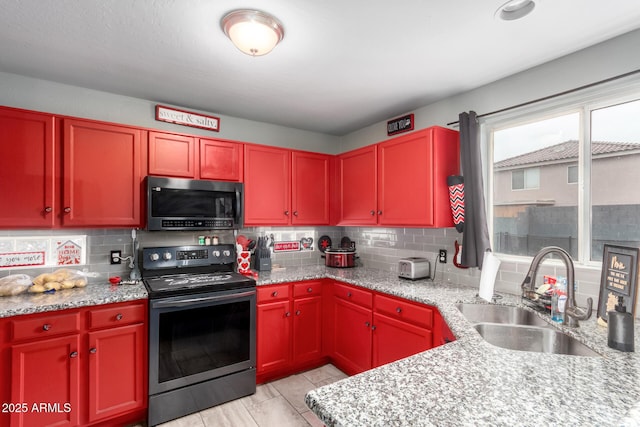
515	9
254	32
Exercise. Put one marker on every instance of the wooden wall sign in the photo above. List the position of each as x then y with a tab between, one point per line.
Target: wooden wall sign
187	118
619	278
399	125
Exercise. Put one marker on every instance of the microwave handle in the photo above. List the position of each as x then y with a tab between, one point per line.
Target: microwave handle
239	213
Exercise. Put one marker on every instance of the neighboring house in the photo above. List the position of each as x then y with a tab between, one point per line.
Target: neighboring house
535	196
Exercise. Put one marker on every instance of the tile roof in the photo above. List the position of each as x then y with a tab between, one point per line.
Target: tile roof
564	151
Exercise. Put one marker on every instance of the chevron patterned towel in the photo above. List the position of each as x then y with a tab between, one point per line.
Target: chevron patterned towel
456	200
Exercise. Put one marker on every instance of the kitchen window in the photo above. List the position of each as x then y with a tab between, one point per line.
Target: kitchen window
544	153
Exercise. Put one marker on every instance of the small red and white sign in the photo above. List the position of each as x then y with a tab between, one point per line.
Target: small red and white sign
187	118
21	259
286	246
68	253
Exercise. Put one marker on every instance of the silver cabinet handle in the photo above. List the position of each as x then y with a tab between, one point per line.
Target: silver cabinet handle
46	327
286	213
297	312
93	350
372	212
379	212
67	209
73	354
348	294
367	324
274	294
287	314
373	328
119	316
309	290
48	209
398	310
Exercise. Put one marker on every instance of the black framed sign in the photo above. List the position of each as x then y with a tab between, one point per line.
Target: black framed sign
619	278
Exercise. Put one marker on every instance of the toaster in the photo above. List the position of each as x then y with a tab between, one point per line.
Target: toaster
414	268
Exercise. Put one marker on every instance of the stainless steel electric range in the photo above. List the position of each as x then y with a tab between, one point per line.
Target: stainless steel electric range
202	329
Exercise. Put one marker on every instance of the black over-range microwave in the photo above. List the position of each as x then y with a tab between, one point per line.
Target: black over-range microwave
190	204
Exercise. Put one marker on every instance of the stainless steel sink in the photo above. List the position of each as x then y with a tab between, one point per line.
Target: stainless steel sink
490	313
532	338
516	328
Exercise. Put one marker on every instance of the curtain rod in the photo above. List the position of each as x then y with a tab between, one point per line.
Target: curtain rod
555	95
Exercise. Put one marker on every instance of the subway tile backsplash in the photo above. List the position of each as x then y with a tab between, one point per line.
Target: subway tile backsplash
377	247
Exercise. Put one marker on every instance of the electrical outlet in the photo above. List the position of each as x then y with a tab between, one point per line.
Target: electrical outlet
116	257
442	256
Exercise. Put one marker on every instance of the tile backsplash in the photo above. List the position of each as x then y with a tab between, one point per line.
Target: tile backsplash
377	247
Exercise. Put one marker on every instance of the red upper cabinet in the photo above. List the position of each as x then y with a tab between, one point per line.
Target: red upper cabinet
358	186
103	172
172	155
310	184
267	191
221	160
28	159
400	182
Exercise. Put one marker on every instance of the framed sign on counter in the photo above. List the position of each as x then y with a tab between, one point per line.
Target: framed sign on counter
619	278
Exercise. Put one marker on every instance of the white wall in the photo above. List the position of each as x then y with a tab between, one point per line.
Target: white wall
608	59
41	95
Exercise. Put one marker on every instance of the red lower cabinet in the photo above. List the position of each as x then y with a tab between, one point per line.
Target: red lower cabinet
78	367
394	340
352	339
289	331
45	382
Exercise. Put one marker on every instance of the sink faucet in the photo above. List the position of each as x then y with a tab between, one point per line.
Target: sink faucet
572	313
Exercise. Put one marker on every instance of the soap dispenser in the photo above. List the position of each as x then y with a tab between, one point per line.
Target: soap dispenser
620	327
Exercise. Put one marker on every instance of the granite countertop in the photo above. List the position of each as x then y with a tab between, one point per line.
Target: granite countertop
92	294
471	382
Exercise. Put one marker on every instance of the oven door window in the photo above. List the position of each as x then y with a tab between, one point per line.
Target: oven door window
198	340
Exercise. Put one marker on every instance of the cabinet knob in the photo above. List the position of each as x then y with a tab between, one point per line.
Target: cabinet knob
73	354
372	212
295	213
274	293
67	209
119	316
309	290
297	312
398	310
348	294
93	350
46	327
367	324
379	212
287	314
373	327
48	209
286	213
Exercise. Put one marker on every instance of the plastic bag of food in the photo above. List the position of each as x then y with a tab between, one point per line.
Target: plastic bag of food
59	279
14	284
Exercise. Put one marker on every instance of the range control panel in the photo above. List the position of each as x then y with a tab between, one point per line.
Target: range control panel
187	256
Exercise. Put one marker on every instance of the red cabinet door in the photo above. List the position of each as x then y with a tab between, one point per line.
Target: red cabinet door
46	372
102	175
405	180
172	155
394	340
273	337
221	160
358	187
27	165
116	371
267	191
352	337
310	183
307	329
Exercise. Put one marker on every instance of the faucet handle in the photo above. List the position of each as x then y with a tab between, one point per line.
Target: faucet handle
579	313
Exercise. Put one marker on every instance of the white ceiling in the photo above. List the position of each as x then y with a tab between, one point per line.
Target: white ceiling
343	64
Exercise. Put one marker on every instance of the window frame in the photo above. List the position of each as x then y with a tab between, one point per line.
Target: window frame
581	102
569	174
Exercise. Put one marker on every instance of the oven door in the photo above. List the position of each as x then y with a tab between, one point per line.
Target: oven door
194	338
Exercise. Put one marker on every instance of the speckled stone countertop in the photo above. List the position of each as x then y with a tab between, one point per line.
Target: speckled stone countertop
92	294
470	382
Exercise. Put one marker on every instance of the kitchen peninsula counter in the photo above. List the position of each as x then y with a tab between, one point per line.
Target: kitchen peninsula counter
471	382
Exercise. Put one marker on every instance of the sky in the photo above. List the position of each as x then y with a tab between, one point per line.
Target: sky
619	123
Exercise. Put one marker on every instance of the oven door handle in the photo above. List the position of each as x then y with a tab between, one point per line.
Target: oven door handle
182	303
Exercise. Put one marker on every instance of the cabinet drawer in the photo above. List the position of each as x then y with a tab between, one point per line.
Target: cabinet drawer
307	289
355	295
46	325
404	310
273	293
116	316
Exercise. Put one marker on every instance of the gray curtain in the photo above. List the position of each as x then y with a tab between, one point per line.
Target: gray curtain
475	237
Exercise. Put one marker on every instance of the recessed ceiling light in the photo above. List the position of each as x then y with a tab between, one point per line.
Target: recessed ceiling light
515	9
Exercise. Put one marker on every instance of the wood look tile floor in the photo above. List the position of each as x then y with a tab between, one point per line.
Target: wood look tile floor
278	403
